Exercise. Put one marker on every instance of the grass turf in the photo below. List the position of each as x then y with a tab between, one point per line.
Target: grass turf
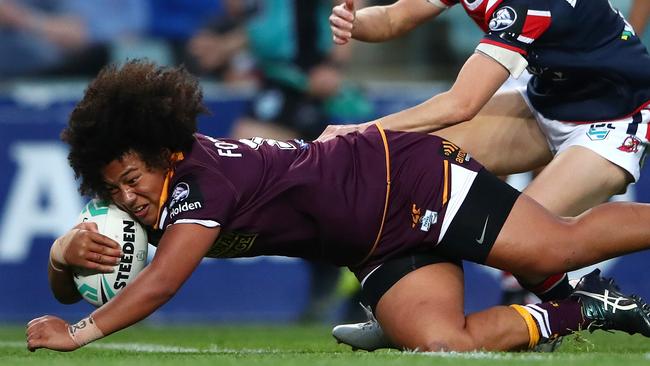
298	345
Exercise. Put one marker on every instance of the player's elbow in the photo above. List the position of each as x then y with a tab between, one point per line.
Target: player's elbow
461	110
464	113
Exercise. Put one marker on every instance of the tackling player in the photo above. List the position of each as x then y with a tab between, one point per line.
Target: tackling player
400	209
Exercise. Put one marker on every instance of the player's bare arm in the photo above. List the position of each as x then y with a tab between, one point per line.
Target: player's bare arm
379	23
478	80
179	252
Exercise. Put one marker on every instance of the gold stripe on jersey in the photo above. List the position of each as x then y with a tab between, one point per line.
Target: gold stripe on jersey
383	216
445	189
176	157
531	324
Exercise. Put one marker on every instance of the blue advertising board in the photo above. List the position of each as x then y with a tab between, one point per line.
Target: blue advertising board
39	201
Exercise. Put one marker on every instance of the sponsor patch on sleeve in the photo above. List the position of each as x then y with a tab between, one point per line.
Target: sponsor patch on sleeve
508	19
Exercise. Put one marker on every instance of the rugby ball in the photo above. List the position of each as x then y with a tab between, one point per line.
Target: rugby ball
99	288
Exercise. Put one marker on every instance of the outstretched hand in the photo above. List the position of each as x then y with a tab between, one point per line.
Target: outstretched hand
85	247
49	332
331	131
342	22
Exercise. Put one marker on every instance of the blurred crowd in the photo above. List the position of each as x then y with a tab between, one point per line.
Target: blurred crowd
228	40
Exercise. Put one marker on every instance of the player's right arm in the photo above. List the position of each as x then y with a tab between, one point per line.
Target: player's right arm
179	252
83	247
379	23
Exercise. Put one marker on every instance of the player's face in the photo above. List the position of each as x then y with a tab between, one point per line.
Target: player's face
135	187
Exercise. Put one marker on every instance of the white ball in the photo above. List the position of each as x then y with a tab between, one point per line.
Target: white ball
99	288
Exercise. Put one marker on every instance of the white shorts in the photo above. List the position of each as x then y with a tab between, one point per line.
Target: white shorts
622	141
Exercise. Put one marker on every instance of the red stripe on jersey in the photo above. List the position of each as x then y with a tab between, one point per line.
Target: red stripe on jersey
504	45
449	2
535	26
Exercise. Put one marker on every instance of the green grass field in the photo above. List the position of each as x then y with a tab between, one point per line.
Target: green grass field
298	345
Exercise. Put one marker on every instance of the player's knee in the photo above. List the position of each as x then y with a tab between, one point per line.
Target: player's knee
556	255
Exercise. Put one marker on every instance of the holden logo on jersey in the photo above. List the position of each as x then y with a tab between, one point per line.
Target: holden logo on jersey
630	144
502	19
180	193
184	207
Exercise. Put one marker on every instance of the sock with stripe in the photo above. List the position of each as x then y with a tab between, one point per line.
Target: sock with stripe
549	320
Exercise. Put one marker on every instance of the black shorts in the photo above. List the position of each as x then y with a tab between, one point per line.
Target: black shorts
470	236
378	282
479	220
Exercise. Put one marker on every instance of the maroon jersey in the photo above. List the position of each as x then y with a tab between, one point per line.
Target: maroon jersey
355	199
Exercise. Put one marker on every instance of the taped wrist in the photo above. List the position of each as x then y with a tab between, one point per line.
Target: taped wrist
84	331
58	249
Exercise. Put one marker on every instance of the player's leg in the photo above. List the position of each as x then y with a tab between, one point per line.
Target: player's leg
421	308
424	311
594	162
498	227
504	136
576	180
535	241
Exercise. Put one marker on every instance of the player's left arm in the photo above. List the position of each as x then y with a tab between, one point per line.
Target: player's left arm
502	52
478	80
180	250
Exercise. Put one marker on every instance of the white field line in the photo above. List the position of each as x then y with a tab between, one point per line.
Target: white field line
157	348
160	348
523	356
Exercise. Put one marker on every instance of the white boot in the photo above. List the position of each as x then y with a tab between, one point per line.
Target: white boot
367	336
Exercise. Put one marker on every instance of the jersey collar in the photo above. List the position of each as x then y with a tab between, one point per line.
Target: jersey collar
175	158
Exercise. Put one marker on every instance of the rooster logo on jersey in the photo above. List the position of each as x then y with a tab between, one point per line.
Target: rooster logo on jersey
630	144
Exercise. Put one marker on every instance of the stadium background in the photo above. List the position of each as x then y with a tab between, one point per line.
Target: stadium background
38	199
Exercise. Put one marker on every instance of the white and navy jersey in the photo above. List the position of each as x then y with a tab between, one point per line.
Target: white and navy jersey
587	63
